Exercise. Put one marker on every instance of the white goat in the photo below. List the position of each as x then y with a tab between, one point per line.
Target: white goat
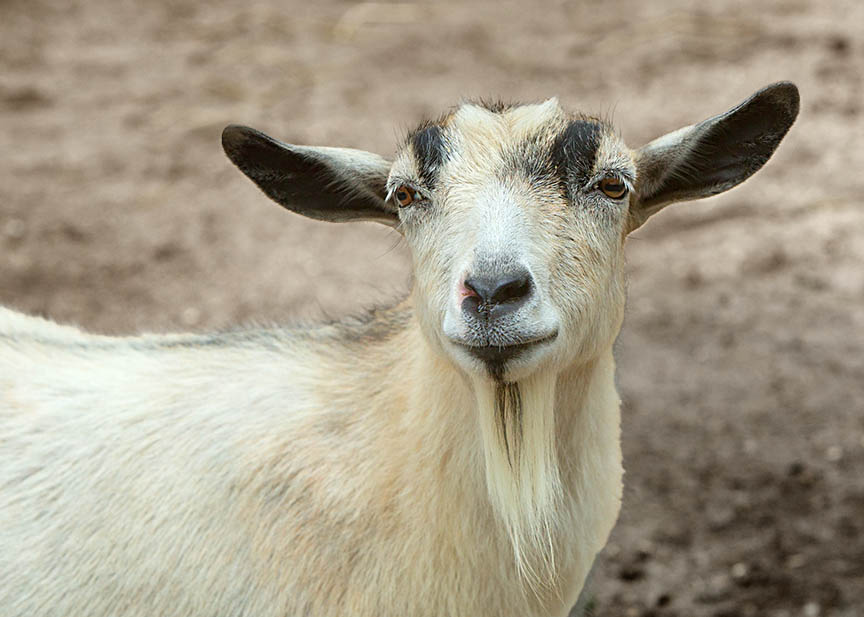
457	454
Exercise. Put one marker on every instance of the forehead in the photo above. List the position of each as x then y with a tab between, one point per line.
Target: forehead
540	142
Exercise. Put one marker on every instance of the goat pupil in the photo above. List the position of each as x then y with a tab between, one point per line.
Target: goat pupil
403	197
613	188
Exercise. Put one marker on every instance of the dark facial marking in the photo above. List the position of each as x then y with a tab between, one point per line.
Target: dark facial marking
575	151
533	160
495	106
429	149
508	413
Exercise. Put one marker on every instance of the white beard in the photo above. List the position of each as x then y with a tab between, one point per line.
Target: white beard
522	474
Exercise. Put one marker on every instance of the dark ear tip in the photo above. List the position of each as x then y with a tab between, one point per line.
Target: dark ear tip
234	137
784	96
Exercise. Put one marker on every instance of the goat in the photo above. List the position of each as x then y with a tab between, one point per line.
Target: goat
455	454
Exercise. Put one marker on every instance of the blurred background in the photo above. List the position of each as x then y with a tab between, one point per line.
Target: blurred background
741	363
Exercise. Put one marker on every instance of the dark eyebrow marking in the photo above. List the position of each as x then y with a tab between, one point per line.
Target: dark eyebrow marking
496	106
574	151
429	147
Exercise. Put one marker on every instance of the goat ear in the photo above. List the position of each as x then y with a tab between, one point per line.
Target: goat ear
328	184
714	155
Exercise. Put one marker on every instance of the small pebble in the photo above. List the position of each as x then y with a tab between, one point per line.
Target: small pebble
812	609
795	468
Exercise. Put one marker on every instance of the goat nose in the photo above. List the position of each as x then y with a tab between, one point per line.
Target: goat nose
498	294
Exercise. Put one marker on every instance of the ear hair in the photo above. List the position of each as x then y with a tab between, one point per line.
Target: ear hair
715	155
328	184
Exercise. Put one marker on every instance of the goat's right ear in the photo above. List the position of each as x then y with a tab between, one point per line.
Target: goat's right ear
328	184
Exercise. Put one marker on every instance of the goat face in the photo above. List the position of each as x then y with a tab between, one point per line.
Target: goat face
516	247
516	215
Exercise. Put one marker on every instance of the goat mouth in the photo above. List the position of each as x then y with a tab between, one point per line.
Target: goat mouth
498	355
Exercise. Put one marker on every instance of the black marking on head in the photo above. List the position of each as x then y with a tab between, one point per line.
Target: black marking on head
508	414
532	159
429	147
575	152
496	106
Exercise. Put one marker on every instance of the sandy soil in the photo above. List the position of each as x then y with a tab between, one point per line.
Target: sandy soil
742	358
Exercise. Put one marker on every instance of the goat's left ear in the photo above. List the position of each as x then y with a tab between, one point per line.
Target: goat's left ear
329	184
714	155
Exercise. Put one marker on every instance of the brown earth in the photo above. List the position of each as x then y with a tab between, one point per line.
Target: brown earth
742	358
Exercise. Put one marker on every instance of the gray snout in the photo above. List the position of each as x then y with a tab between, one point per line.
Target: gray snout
492	295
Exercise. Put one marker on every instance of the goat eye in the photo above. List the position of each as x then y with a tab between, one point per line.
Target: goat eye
613	187
405	196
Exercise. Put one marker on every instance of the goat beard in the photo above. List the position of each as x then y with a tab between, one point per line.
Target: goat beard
522	472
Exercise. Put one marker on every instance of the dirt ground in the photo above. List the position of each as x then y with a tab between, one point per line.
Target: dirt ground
741	363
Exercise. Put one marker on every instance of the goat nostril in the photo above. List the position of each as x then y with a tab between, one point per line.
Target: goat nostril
468	290
513	290
482	294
